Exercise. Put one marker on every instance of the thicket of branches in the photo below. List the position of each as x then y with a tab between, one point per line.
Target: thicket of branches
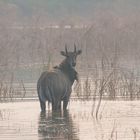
110	45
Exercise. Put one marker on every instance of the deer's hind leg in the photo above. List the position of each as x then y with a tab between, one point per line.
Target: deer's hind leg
43	106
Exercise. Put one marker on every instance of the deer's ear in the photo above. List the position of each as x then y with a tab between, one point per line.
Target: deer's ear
79	52
63	53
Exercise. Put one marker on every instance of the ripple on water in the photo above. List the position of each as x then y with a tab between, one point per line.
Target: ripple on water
118	120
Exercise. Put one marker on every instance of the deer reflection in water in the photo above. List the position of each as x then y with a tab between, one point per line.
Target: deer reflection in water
56	125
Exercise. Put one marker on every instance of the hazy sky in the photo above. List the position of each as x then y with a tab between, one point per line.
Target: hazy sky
67	9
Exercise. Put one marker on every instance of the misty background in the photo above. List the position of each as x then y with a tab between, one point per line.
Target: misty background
33	32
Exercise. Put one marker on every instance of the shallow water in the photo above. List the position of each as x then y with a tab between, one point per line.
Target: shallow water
118	120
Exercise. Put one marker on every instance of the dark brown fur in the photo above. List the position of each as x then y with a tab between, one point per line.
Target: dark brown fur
56	85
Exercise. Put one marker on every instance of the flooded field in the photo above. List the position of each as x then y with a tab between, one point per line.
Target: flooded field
118	120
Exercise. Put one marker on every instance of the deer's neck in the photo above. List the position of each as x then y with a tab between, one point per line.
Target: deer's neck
69	71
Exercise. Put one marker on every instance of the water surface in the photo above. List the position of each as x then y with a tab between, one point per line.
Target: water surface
118	120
